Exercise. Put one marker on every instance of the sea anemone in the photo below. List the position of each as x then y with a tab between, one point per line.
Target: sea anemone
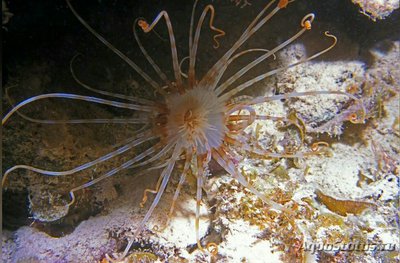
194	119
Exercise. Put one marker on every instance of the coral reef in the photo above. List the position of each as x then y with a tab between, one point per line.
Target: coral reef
346	194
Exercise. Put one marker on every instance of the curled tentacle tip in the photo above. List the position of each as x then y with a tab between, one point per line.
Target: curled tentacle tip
212	248
143	24
355	119
316	146
307	25
221	34
330	35
307	21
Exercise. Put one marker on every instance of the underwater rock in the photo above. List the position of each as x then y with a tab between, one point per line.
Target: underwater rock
377	9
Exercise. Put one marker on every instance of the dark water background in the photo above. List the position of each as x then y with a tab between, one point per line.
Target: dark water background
47	29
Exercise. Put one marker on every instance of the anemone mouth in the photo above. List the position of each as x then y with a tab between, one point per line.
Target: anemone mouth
197	118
